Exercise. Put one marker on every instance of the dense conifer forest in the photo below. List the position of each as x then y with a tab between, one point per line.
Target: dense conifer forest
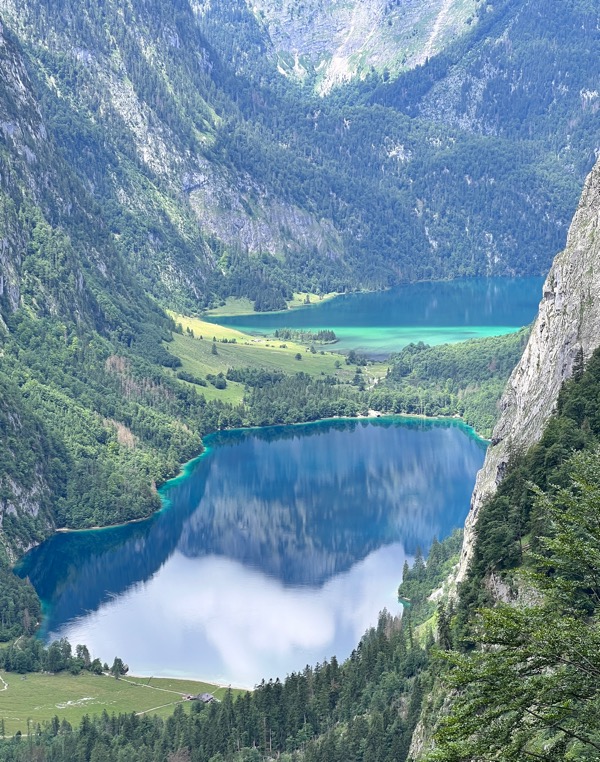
153	157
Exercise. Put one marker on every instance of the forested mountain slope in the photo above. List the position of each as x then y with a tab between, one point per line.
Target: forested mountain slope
214	174
526	71
90	419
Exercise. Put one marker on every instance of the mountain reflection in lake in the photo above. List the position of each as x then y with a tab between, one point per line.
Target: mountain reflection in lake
276	548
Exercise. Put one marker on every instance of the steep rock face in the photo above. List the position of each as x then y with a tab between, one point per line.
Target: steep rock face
339	40
21	131
247	218
568	324
136	118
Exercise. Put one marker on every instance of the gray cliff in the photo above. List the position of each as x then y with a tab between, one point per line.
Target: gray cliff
568	322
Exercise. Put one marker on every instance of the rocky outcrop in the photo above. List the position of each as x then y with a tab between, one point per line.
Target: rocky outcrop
340	40
568	324
240	213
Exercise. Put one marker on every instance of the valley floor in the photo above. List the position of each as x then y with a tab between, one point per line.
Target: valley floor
26	700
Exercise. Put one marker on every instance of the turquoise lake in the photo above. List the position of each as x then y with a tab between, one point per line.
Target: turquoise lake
380	323
276	548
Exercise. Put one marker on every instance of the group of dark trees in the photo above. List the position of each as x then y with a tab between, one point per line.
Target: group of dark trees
464	379
324	336
20	609
30	655
300	397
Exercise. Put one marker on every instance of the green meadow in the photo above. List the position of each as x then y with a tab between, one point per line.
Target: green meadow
38	697
198	358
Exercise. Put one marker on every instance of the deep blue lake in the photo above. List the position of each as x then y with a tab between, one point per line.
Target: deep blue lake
434	312
276	548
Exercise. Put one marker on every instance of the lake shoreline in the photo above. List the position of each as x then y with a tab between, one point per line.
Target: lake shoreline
294	304
372	415
378	323
200	566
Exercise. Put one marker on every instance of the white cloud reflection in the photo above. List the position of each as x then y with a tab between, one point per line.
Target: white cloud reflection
215	618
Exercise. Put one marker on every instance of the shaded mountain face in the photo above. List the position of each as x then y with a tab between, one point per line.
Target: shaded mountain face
57	257
215	174
87	409
63	284
526	72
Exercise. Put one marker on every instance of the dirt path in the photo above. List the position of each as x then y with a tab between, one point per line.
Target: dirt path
154	708
152	687
4	684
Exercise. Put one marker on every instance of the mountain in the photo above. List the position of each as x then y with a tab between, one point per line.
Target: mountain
564	336
45	208
331	43
216	175
90	418
151	156
525	72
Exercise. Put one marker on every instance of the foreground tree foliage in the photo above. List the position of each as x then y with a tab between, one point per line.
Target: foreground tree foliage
532	690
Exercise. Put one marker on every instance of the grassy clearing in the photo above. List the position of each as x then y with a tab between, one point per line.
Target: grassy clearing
209	330
39	697
197	357
243	306
250	351
233	306
299	299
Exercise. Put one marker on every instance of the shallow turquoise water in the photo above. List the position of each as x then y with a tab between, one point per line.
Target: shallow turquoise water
277	548
434	312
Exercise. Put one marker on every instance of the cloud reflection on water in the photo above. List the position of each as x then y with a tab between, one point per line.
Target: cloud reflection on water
279	548
237	625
